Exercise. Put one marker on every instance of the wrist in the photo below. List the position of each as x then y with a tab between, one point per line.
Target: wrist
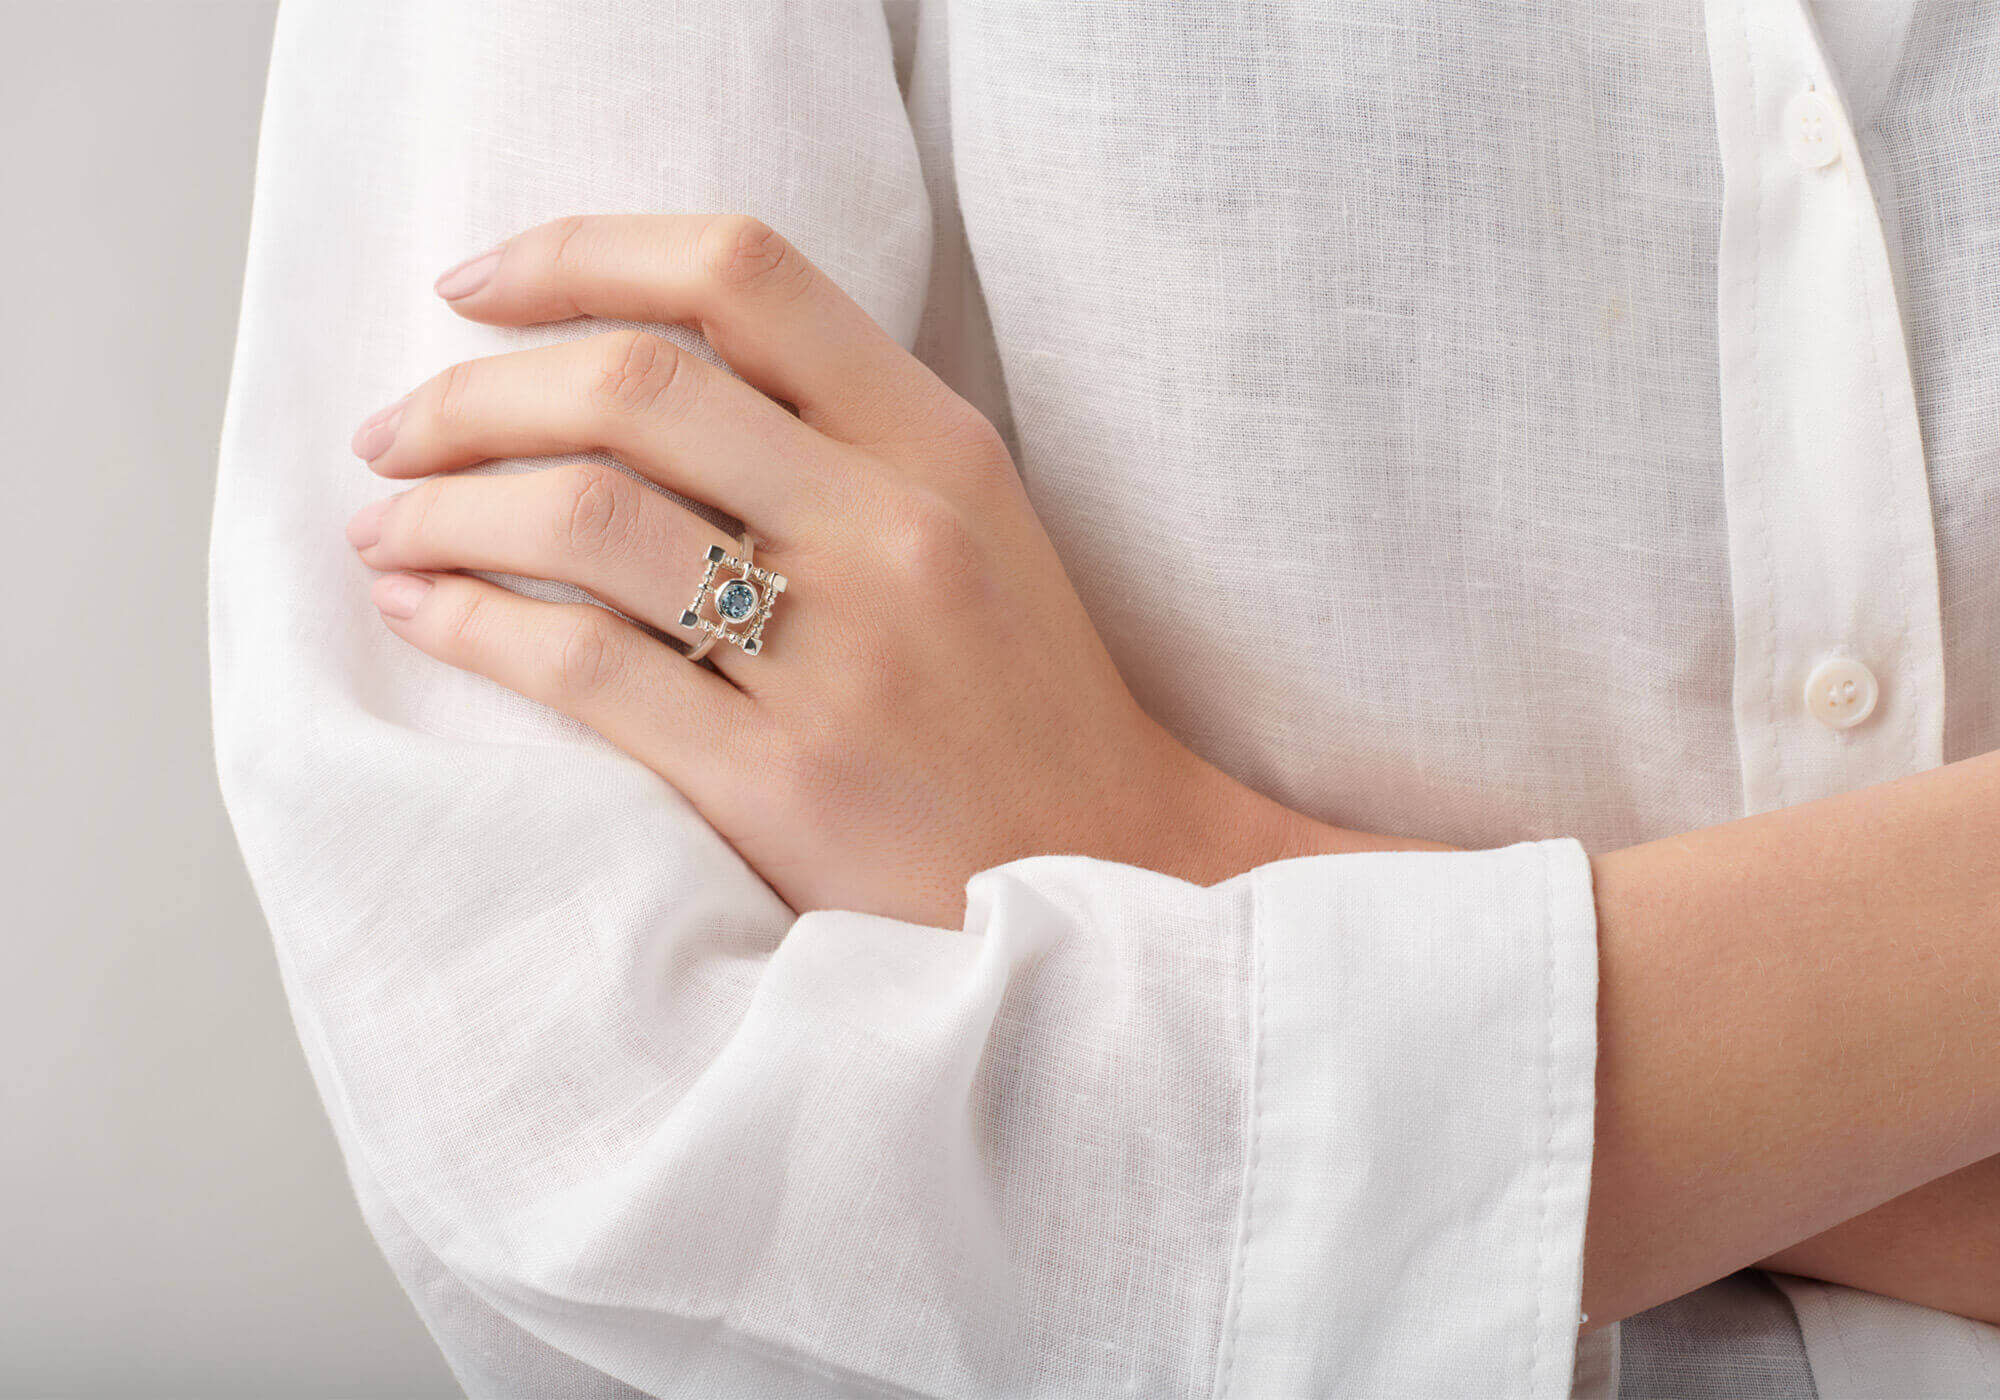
1317	838
1214	827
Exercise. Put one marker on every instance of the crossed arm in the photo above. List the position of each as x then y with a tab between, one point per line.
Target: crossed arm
1798	1020
1797	1010
1798	1016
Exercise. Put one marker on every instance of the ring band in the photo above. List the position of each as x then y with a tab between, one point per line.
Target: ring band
741	607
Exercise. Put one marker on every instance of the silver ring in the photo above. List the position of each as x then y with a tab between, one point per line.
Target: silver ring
741	607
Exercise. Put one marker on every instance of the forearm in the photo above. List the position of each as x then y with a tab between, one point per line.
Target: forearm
1938	1245
1797	1043
1797	1023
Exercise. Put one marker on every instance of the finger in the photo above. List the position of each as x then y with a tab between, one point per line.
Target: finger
669	415
775	317
679	720
587	524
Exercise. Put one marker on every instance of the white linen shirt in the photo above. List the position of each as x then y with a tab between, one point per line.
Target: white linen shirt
1539	428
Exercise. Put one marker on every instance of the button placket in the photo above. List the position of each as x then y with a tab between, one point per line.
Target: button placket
1833	570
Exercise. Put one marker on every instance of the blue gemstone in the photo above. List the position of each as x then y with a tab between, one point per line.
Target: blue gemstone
736	600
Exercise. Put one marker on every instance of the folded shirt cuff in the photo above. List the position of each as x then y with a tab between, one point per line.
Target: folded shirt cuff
1864	1346
1422	1125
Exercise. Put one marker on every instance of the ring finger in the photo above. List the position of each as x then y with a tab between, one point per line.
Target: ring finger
586	524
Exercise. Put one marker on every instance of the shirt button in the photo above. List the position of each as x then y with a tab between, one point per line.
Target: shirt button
1841	692
1812	130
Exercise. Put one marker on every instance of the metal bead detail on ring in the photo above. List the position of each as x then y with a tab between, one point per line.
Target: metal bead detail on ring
741	607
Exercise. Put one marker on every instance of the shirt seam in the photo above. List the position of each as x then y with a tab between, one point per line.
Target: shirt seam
1858	191
1247	1203
1767	628
1861	190
1540	1334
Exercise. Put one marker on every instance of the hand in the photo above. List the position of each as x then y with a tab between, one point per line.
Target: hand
933	698
929	698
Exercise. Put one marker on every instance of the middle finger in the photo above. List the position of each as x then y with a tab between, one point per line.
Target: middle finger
668	414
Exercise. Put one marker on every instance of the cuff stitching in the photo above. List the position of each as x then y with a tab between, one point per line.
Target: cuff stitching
1549	1120
1246	1227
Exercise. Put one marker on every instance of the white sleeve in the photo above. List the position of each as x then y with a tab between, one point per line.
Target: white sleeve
619	1120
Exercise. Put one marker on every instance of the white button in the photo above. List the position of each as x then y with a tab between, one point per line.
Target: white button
1812	130
1840	692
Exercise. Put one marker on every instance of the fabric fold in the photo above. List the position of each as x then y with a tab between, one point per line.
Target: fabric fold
1423	1124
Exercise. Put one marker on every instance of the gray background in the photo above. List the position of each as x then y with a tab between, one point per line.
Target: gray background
174	1217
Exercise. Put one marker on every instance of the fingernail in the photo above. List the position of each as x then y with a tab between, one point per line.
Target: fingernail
384	411
400	595
378	430
469	276
365	529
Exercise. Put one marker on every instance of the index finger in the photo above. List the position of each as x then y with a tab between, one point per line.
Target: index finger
774	317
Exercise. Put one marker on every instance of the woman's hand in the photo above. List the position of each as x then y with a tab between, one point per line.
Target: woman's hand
929	698
932	700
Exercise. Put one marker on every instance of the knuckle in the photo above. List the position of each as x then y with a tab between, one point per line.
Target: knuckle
962	438
975	437
739	253
933	546
452	404
453	401
595	511
464	624
567	246
637	372
411	521
815	767
586	655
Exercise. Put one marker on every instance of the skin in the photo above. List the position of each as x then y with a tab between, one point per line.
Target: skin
1938	1245
897	733
1797	1015
935	700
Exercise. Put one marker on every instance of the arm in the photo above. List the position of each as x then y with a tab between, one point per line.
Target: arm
620	1117
1938	1245
1734	1115
621	1101
1798	1021
1796	1054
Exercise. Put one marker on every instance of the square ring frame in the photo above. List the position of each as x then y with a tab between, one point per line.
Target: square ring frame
751	636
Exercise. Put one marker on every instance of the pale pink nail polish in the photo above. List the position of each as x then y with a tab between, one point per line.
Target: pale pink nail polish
400	595
469	276
384	411
373	437
365	529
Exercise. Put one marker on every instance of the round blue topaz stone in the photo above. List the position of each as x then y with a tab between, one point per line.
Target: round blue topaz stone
735	600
